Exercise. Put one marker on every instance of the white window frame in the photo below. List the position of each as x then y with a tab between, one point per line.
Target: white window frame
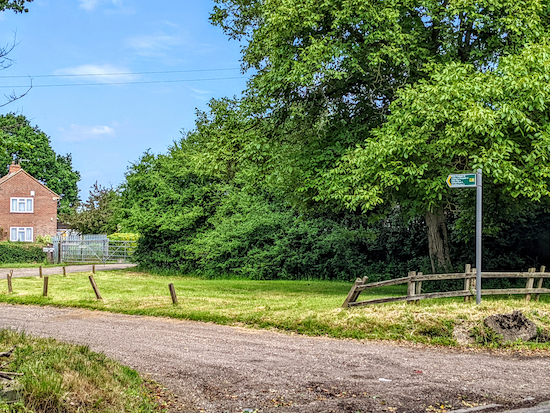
25	201
18	230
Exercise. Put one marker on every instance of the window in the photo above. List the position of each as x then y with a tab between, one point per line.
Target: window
25	205
21	234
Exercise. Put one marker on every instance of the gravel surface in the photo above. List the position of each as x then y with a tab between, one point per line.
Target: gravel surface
219	369
30	272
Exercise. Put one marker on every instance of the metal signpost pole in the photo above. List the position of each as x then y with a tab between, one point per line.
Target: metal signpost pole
470	181
478	235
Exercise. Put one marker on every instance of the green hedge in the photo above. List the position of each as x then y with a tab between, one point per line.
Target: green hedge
15	252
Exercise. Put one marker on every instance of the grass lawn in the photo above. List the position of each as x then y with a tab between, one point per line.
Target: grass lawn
58	377
305	307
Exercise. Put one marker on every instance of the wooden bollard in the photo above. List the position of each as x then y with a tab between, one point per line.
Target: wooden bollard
45	289
10	288
94	286
173	293
40	271
64	271
529	284
539	282
93	268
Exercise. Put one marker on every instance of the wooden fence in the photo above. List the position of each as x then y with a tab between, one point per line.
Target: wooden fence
414	282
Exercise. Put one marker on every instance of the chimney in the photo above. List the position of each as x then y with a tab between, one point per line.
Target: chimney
14	167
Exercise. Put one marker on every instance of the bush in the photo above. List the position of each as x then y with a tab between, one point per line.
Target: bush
16	252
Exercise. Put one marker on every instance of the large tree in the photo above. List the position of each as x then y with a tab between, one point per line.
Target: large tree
97	214
32	148
457	120
327	73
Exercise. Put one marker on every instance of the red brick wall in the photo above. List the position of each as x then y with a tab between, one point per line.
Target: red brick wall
43	219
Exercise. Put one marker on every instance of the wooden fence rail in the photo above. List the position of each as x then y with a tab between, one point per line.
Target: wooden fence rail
414	286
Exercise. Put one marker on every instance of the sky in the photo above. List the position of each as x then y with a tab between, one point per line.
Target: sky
94	93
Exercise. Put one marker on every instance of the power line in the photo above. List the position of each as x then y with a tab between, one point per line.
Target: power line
121	73
129	83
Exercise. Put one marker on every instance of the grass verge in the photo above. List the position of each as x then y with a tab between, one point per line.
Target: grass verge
58	377
305	307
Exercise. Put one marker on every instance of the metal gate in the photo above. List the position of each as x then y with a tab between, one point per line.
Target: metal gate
92	248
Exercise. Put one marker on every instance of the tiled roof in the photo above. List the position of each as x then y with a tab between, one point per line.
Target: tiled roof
11	175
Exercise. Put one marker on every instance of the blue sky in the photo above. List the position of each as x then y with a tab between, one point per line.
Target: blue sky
104	124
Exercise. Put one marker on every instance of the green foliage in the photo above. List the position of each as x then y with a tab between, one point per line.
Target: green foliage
18	6
446	124
124	236
38	158
43	239
16	252
97	214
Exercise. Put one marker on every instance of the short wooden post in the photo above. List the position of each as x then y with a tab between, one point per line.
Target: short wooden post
45	288
94	286
529	284
173	294
353	294
418	287
40	271
411	286
93	268
539	283
10	288
467	280
365	279
64	271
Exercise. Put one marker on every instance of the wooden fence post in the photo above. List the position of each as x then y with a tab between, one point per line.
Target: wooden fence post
40	271
418	289
64	271
467	280
94	286
45	288
529	284
93	268
411	285
539	283
10	288
353	294
173	294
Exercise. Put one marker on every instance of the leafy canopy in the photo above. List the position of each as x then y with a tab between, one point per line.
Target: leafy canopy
459	119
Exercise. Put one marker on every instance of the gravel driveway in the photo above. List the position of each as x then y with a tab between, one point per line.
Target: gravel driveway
217	369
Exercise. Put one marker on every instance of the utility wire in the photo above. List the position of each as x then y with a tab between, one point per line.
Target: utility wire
121	73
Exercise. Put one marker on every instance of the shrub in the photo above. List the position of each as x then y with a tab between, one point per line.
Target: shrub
16	252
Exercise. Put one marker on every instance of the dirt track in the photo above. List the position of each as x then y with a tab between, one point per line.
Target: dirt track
226	369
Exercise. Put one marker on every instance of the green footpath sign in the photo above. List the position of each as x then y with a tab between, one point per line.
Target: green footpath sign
461	180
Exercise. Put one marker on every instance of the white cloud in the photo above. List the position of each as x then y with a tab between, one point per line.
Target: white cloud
81	133
118	6
200	92
89	5
99	73
153	45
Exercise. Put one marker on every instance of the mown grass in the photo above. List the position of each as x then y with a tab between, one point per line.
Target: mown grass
58	377
305	307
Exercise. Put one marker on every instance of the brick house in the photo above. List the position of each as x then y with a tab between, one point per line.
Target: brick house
27	207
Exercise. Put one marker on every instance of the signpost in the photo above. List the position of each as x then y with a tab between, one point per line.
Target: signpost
472	181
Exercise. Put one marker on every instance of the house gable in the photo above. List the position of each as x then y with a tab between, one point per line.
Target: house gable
28	208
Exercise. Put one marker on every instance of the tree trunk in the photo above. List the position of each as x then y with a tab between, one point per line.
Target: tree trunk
438	242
